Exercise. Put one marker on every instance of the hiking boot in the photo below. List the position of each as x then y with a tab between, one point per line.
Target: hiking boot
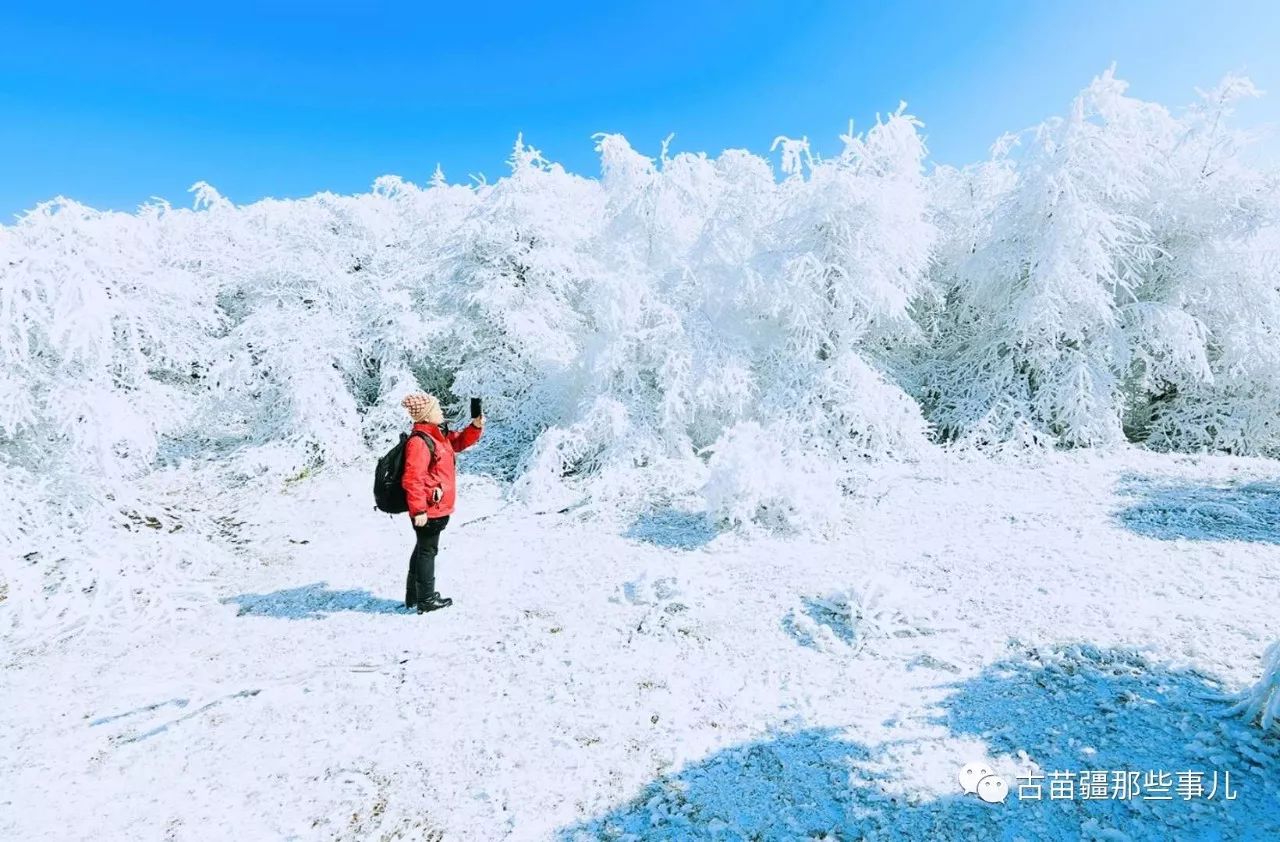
435	603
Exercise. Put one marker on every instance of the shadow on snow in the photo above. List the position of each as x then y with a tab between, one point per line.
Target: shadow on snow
823	614
311	602
1071	709
1243	512
674	529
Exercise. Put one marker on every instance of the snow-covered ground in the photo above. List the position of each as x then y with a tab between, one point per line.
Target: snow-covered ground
1082	612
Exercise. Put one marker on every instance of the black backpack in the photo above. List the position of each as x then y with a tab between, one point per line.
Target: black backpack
388	493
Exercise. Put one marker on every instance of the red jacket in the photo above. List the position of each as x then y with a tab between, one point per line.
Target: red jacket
423	473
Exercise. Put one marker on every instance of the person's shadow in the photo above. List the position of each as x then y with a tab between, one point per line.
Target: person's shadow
311	602
1072	709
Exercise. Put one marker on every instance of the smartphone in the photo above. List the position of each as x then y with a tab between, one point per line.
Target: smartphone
475	407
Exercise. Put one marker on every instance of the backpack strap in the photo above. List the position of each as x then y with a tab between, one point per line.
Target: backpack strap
431	445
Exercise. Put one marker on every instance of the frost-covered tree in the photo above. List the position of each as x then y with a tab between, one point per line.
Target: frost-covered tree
1033	337
101	322
1085	280
850	254
1207	368
638	418
746	311
509	282
290	310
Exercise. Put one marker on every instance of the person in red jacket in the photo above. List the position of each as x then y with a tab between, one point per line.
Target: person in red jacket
431	489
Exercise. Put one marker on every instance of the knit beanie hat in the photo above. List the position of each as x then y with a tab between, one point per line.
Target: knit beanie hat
419	405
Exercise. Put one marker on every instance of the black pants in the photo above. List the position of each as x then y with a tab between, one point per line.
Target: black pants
422	563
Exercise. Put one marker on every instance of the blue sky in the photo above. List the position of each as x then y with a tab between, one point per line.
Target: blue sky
112	103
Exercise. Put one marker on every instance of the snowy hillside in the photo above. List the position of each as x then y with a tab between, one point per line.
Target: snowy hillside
805	481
